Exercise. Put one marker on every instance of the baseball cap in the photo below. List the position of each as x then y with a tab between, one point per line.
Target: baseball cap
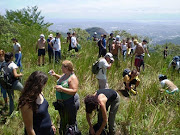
110	56
50	35
42	35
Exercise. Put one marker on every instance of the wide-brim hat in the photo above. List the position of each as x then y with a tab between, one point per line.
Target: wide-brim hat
50	35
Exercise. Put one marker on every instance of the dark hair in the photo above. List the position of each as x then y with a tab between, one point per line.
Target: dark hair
163	77
91	103
68	33
33	87
111	34
134	71
145	41
8	56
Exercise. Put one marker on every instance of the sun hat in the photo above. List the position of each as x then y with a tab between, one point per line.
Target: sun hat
42	35
110	56
50	35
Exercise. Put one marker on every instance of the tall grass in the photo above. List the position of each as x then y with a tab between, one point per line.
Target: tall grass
149	112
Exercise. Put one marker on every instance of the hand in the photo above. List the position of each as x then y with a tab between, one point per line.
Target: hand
58	88
52	72
149	55
92	131
54	129
98	132
20	74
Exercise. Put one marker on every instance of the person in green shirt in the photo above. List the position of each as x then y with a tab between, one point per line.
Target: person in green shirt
66	94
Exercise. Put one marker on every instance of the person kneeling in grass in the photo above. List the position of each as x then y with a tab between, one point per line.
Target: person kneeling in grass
132	78
101	101
166	84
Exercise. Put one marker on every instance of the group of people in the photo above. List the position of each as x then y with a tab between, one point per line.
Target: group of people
53	46
125	47
34	106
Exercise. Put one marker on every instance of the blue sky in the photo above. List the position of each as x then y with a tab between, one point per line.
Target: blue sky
115	10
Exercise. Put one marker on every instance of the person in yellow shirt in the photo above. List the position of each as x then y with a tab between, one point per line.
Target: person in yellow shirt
132	79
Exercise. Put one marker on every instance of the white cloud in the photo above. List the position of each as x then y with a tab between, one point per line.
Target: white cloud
98	8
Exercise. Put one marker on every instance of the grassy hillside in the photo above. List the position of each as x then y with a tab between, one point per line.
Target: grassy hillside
149	112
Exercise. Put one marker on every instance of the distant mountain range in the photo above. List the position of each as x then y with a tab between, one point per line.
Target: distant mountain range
98	30
175	40
159	31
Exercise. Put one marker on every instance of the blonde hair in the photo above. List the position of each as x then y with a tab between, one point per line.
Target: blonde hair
2	52
68	64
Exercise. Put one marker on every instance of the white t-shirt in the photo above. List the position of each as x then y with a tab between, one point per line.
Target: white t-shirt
16	48
102	72
73	42
12	66
56	43
177	65
124	47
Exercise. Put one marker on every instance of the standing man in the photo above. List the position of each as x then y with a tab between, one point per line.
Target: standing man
69	40
110	41
50	49
146	51
74	42
139	60
104	64
104	51
40	47
56	45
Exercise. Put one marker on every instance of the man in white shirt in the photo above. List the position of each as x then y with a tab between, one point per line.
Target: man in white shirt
56	45
74	42
104	64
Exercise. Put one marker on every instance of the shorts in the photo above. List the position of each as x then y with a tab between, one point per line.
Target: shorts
138	61
41	52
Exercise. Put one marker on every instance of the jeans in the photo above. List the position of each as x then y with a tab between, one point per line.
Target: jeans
112	114
16	86
68	112
18	57
57	56
50	54
124	55
3	91
103	84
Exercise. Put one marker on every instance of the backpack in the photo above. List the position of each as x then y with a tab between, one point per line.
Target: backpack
176	59
126	72
99	43
6	76
95	67
72	130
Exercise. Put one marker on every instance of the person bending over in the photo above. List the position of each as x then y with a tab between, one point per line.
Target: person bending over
101	101
168	85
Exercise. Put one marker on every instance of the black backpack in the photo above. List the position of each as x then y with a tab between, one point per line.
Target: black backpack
95	68
6	76
126	72
73	130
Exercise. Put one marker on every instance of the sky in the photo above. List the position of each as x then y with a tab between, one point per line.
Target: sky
112	10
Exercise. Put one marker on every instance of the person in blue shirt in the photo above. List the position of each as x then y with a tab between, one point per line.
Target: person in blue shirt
103	51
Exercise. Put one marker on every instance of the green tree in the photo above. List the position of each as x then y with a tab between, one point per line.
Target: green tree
82	35
7	31
27	16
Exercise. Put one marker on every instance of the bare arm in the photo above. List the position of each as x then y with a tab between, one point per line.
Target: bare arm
104	115
73	86
55	75
89	123
16	74
27	115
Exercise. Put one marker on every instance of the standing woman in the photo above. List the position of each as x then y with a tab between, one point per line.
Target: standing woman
67	98
34	107
17	52
16	85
